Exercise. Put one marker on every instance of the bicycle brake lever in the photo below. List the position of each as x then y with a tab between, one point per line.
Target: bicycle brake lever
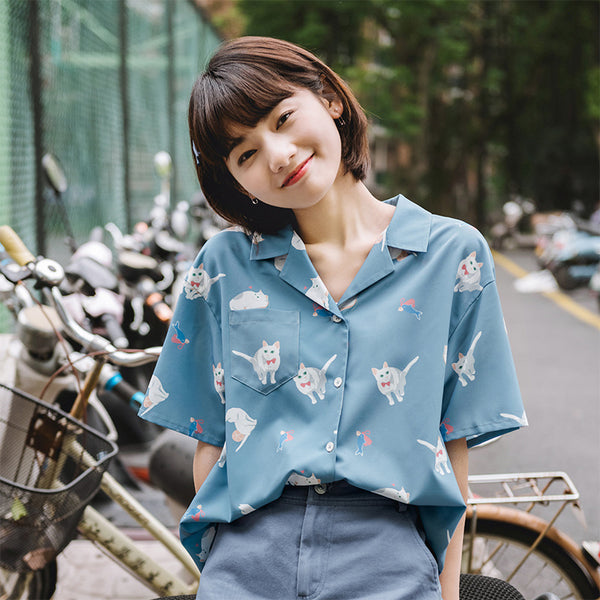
13	272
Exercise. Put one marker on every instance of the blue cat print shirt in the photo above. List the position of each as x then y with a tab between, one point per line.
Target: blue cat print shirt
299	389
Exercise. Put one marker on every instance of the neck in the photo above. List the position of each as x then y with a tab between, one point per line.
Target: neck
345	214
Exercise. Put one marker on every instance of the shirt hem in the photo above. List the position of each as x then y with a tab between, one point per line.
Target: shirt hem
481	433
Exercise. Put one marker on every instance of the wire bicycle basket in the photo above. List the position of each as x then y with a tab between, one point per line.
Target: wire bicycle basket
51	466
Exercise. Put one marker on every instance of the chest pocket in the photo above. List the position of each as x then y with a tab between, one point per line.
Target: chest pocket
264	347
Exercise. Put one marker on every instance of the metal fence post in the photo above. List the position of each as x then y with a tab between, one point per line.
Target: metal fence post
38	124
124	85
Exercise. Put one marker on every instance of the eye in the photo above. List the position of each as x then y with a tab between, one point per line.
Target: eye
245	156
283	118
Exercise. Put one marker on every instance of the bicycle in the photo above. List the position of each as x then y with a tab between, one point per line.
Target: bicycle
521	547
34	484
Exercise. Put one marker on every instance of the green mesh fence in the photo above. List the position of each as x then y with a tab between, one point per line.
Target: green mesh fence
103	86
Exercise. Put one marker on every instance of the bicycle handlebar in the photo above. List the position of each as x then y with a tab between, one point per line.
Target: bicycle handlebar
18	251
15	246
93	342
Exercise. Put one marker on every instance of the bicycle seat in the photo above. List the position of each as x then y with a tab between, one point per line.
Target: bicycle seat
481	587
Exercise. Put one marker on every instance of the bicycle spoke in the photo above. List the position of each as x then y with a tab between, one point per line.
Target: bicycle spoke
496	557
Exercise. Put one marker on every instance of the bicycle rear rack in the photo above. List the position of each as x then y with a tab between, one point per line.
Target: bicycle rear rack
520	488
533	489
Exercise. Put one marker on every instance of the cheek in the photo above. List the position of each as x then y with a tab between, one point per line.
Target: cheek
249	182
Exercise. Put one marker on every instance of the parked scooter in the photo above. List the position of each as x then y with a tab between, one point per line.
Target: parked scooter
574	255
91	295
516	230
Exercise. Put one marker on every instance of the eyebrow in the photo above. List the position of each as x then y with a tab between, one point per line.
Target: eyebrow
232	144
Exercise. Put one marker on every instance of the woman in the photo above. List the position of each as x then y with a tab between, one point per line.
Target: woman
349	348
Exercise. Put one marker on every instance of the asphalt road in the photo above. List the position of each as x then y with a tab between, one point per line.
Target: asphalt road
557	356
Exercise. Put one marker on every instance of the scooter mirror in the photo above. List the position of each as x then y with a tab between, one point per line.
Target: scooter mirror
54	173
163	164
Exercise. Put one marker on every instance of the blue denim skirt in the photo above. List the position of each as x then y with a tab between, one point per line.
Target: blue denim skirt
324	542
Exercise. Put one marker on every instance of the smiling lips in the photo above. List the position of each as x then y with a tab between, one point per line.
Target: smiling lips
298	173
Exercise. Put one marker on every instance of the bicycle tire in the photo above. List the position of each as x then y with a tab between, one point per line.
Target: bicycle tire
558	562
41	586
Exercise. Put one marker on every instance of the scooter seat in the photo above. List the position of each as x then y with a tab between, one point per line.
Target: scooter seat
171	464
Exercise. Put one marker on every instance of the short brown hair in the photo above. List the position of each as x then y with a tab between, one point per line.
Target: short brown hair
244	80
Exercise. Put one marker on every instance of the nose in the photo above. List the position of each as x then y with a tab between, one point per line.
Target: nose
280	153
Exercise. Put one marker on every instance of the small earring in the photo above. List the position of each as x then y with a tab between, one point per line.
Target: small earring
340	121
254	201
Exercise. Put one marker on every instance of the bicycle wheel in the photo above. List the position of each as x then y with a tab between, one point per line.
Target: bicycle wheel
502	539
34	585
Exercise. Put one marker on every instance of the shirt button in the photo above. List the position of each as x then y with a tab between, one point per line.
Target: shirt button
321	488
337	382
336	319
329	447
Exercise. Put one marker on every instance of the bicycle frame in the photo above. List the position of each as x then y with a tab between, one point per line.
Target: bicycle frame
123	549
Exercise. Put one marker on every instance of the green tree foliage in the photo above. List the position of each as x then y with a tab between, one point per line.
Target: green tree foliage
484	98
330	28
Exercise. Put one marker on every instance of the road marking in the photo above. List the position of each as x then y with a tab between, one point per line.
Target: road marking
559	298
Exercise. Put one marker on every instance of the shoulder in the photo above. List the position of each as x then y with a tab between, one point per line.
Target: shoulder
232	244
449	230
454	241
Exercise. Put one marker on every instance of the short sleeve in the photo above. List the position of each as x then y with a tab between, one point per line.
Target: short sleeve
481	392
186	391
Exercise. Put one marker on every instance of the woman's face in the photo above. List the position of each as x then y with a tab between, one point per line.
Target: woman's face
292	157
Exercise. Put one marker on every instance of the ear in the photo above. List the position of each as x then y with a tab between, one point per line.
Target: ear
334	107
374	370
331	100
385	365
219	366
302	366
265	343
276	344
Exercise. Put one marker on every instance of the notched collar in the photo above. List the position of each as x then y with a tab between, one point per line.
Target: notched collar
410	226
270	245
408	230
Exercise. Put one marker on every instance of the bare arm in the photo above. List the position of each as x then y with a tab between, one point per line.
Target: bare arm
449	577
205	457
